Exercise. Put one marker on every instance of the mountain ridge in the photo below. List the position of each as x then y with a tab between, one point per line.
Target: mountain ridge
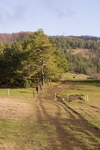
5	37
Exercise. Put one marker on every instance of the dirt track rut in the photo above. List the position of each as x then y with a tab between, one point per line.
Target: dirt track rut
68	124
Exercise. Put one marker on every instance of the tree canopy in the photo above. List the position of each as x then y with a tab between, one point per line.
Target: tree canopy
34	58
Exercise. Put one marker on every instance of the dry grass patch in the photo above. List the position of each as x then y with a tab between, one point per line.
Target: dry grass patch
84	52
12	109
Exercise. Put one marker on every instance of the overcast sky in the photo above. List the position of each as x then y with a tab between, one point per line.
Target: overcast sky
55	17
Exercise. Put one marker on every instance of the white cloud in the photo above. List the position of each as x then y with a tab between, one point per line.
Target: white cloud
61	9
17	14
13	16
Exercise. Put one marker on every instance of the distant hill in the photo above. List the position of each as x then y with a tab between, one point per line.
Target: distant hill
4	37
86	37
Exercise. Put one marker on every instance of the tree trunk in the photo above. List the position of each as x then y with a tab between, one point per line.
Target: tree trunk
42	73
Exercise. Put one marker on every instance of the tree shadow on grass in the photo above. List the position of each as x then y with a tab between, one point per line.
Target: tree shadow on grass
94	82
23	92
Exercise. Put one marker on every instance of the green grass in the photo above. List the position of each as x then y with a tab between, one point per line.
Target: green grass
84	87
25	132
88	109
17	92
73	76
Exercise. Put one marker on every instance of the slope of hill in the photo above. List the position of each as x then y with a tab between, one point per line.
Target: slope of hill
4	37
83	56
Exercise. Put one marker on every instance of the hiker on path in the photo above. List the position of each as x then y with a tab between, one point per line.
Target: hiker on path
41	88
37	88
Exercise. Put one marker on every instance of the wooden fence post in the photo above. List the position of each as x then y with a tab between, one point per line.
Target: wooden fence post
8	92
55	95
87	97
67	96
33	93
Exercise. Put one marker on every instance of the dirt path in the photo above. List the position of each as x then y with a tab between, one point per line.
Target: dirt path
72	121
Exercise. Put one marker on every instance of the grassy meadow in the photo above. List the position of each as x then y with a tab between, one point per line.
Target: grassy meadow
42	123
89	107
17	92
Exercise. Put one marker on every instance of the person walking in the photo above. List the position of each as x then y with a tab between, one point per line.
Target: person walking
41	88
37	88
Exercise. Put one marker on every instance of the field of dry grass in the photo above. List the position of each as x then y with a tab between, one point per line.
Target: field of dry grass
84	52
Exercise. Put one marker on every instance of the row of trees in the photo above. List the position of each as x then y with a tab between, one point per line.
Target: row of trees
32	59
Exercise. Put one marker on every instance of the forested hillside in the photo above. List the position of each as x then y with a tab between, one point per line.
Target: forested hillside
33	59
29	57
83	55
86	37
